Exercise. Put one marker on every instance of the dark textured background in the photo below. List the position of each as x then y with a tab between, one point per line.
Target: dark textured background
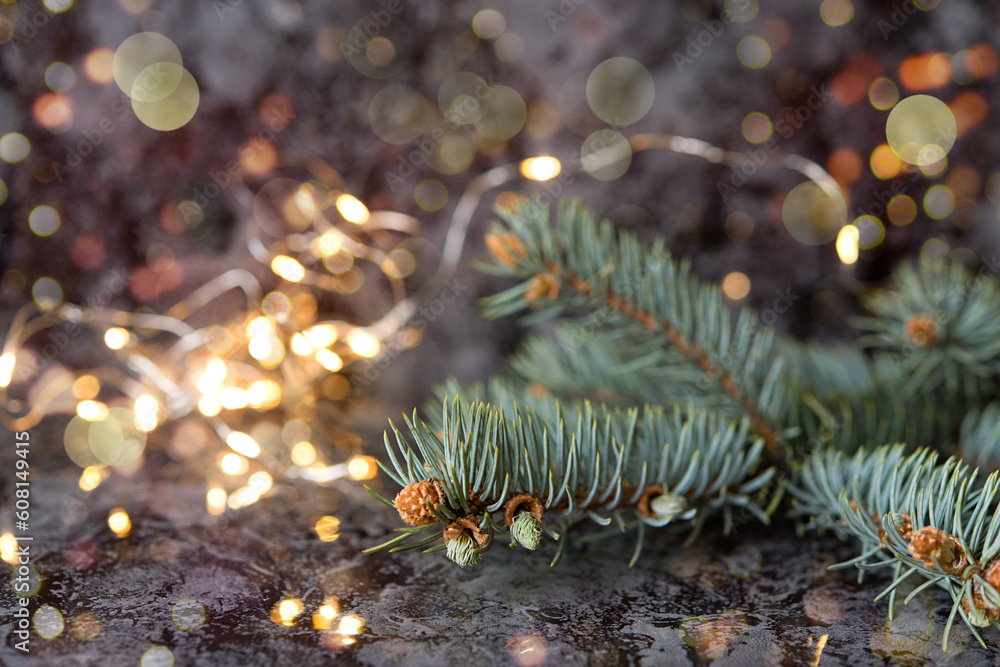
674	607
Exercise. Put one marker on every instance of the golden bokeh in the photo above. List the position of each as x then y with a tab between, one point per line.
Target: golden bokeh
139	52
814	212
736	286
620	91
505	116
173	111
119	522
847	244
606	155
328	528
921	129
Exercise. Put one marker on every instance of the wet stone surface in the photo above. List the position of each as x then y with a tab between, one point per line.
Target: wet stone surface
258	586
212	589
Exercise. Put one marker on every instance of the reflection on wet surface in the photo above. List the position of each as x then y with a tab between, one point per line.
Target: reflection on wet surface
263	585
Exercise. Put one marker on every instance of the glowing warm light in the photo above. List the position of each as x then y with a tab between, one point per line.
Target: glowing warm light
215	372
300	345
116	338
261	481
351	624
86	386
53	112
363	344
736	285
259	326
243	444
6	368
885	164
92	411
243	497
352	209
233	464
321	335
925	72
528	650
91	477
8	548
330	243
215	501
234	398
97	65
329	360
327	528
284	612
326	613
146	405
541	168
303	453
264	394
261	348
209	405
119	523
847	244
288	268
362	467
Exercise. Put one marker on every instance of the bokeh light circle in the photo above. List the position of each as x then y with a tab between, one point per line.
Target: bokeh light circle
606	155
620	91
137	53
464	98
814	212
506	114
173	111
399	114
921	129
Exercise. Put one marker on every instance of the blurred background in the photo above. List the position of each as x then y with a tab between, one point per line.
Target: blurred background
237	236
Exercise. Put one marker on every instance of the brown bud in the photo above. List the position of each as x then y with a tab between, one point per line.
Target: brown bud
542	286
410	502
929	543
507	248
922	330
523	501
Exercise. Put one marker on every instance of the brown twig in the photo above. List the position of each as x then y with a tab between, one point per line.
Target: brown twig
690	349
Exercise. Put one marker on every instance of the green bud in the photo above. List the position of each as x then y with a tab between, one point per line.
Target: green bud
462	550
526	531
668	506
978	617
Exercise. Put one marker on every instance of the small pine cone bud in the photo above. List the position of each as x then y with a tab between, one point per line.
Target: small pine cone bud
462	550
507	248
526	531
668	506
992	574
902	523
929	543
922	330
978	617
410	502
542	286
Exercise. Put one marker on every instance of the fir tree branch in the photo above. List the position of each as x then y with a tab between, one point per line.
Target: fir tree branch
607	465
911	513
585	264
